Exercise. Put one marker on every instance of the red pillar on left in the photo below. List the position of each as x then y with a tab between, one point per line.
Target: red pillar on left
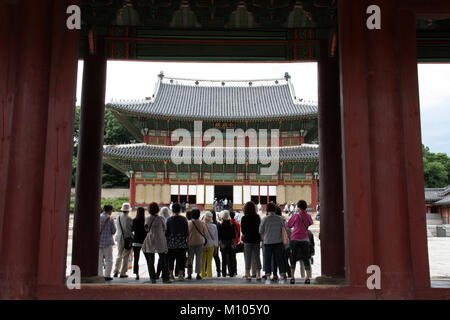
23	141
89	167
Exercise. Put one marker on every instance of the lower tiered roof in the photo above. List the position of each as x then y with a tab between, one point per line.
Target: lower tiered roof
143	152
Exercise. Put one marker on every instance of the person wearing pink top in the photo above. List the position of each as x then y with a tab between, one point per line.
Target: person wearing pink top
300	244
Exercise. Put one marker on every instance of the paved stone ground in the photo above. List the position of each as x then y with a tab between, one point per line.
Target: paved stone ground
439	258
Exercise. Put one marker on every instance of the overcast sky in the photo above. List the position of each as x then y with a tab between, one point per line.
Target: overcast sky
136	80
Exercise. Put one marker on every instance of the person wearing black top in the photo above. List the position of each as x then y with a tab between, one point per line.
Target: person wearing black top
216	250
139	235
227	235
177	233
252	239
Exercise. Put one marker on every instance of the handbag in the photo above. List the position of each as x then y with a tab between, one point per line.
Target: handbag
206	239
224	244
128	241
239	247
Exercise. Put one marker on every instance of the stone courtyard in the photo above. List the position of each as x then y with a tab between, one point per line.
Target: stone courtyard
438	253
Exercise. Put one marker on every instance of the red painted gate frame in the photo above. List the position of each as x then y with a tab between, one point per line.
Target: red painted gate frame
360	250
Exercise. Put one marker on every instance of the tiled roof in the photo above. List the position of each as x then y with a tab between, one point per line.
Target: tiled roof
433	194
220	100
445	201
445	191
151	152
438	196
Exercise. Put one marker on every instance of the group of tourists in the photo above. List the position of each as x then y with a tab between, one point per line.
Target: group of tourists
222	204
186	246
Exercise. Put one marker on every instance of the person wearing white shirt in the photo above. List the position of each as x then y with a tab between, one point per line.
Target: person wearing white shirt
124	231
291	209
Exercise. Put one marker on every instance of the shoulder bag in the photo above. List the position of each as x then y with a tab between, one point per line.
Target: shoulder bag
206	239
128	241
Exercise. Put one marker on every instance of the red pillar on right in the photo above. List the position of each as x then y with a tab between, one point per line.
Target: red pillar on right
385	222
331	203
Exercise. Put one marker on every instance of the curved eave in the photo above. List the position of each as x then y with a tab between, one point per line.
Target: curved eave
443	202
162	153
124	112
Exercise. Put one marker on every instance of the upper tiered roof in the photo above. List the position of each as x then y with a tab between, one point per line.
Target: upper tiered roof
216	100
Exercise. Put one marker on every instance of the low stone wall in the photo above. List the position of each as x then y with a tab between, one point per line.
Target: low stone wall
110	193
433	221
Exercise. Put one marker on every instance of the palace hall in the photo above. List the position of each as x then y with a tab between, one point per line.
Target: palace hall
254	106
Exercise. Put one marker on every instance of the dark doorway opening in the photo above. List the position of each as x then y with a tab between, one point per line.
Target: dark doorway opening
192	199
255	199
223	192
174	198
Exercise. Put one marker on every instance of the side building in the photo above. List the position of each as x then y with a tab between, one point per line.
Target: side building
183	155
437	201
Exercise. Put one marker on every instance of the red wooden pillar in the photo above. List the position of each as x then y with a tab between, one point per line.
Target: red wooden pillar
23	147
331	199
89	169
314	194
406	49
388	169
58	152
187	196
132	191
9	37
385	222
355	143
169	137
259	194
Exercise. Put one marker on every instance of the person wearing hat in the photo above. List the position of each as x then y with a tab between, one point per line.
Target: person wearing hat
211	245
124	231
227	234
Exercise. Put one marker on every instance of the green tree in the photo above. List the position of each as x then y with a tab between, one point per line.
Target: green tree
76	135
436	169
114	133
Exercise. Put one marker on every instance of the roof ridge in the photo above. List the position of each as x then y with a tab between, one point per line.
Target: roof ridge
162	76
217	100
